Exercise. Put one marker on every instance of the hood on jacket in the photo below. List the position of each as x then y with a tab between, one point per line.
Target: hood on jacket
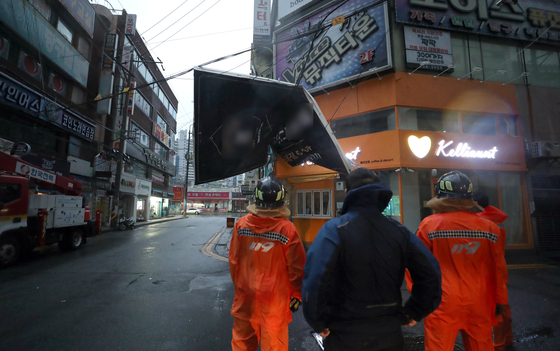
260	224
494	214
371	196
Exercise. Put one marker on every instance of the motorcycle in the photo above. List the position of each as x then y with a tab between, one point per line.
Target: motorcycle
126	223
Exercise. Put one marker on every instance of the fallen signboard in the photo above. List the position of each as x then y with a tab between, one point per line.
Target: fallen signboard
237	118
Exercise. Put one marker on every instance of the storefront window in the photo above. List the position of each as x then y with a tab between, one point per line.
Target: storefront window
543	65
391	179
508	125
417	191
158	177
140	170
139	135
512	205
502	61
478	124
367	123
313	203
428	120
486	182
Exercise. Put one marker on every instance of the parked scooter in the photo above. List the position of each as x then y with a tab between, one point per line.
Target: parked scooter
126	223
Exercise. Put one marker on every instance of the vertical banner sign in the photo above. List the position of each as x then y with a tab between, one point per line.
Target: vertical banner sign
109	50
428	45
127	56
130	110
83	12
523	20
261	22
358	47
130	25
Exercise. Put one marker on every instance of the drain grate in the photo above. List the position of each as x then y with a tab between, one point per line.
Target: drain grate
416	343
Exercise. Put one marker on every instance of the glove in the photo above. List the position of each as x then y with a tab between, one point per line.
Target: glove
499	309
294	304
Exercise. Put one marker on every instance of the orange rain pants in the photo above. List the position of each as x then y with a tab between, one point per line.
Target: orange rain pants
466	247
503	334
247	336
266	259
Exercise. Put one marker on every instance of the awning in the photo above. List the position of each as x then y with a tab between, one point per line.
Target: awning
313	178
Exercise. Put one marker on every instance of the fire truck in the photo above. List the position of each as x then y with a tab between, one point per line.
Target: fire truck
38	208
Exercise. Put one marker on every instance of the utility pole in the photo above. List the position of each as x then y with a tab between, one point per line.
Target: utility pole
188	159
120	155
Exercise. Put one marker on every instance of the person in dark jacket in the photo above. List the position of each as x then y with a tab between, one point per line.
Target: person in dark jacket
355	269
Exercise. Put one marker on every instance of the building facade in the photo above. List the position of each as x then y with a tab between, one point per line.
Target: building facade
422	88
146	116
49	78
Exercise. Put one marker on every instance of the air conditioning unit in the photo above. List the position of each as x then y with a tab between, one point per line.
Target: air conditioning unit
546	149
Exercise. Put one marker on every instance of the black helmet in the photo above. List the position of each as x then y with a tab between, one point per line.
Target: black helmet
269	193
455	185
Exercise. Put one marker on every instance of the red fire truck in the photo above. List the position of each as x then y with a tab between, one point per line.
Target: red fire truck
38	208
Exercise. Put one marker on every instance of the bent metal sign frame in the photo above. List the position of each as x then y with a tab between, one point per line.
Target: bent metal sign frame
527	20
356	48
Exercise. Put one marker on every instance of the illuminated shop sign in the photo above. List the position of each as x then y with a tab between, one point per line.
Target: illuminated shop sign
354	154
420	147
527	20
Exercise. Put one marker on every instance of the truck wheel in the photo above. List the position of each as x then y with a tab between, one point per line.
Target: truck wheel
72	240
10	250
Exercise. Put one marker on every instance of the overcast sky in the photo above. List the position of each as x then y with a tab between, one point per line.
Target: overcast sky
192	46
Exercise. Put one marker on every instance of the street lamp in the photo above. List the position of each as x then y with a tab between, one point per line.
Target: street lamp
188	159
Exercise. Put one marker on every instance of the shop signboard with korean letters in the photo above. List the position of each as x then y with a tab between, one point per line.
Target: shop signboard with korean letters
355	48
429	48
525	20
143	187
128	183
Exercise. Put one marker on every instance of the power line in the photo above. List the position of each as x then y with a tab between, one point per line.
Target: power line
197	17
171	25
158	22
205	35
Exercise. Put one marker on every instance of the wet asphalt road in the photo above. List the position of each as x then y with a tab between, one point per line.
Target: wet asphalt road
153	289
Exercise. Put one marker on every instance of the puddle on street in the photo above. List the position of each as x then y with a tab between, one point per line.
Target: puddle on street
542	332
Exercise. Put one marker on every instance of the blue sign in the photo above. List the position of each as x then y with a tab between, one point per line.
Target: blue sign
28	23
527	20
357	47
18	95
82	11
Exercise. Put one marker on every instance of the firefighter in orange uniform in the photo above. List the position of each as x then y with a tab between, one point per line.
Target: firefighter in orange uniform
466	247
266	259
503	334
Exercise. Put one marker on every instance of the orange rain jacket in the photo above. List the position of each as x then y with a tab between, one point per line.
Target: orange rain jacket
266	259
467	249
498	217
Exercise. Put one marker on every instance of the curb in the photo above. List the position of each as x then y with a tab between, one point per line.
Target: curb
143	224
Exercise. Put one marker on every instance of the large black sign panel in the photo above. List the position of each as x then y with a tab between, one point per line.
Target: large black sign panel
238	117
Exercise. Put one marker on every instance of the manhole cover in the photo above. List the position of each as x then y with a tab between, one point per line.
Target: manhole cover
416	343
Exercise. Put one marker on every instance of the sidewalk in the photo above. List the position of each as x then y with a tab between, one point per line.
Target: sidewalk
144	223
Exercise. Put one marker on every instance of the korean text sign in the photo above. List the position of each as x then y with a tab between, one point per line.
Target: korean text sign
83	12
22	18
261	22
526	20
355	48
16	94
33	172
431	46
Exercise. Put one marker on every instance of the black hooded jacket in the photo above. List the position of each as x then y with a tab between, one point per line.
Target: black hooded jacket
356	266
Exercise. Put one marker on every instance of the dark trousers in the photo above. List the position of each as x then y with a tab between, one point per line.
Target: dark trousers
371	336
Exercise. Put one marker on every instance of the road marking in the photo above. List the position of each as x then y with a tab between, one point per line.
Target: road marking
207	248
530	265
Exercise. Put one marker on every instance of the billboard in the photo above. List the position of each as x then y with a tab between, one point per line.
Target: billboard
527	20
83	12
319	58
237	118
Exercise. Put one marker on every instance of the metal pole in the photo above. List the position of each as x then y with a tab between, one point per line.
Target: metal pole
187	158
120	155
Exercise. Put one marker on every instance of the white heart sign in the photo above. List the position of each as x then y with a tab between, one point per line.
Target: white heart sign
419	147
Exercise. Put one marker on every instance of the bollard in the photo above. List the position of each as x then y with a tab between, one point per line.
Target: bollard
98	221
230	222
